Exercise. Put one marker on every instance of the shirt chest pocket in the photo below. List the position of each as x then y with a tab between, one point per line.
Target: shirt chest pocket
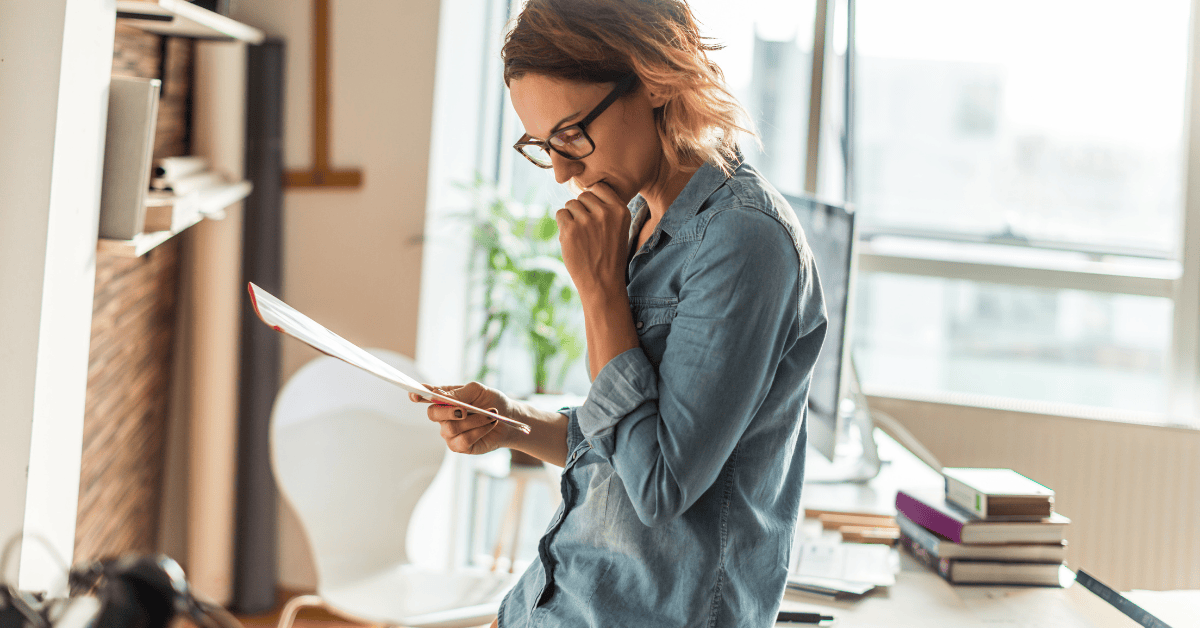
652	318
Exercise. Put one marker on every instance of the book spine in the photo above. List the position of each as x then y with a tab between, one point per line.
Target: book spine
929	517
971	500
927	558
919	535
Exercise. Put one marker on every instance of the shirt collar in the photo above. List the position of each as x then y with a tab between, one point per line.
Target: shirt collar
708	179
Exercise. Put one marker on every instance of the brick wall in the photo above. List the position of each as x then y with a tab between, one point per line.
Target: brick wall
133	328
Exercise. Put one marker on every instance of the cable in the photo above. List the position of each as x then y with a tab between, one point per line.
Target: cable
889	424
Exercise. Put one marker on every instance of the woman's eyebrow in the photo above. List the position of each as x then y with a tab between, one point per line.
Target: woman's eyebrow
557	126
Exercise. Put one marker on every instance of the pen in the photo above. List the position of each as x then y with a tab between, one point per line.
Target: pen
802	618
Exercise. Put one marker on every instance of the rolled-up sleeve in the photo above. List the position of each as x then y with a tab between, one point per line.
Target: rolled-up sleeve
627	385
574	435
669	431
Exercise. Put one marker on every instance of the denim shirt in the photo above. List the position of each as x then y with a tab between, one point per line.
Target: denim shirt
682	483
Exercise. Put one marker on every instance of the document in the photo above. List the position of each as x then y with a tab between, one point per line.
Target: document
285	319
830	567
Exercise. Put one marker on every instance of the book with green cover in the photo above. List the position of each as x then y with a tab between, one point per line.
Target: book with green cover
996	493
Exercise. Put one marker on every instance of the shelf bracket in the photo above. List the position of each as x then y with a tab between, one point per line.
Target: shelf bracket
321	175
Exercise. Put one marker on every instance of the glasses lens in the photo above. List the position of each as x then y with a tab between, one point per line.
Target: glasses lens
572	142
536	154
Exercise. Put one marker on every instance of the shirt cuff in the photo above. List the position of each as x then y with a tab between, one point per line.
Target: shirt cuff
574	434
627	382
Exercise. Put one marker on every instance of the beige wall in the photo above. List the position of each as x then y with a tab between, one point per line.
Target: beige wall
1132	491
352	258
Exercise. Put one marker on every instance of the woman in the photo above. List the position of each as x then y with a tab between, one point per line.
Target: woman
683	467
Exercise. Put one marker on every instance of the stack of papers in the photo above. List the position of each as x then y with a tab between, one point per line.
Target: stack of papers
830	567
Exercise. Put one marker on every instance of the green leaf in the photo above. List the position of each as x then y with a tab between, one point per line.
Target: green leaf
547	229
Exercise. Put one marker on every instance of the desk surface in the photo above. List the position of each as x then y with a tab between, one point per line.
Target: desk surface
922	599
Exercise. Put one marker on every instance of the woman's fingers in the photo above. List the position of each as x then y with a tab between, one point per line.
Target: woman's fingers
604	192
465	435
600	205
574	211
453	428
450	388
464	431
471	441
441	412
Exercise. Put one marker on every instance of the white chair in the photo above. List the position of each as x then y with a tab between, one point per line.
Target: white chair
352	455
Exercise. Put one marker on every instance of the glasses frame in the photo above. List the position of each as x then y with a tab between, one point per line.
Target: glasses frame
623	87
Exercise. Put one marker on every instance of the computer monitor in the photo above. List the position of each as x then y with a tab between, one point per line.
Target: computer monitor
829	229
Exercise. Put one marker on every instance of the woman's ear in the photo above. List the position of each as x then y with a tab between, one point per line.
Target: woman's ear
656	100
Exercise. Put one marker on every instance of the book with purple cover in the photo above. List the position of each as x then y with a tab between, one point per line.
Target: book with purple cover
940	547
934	513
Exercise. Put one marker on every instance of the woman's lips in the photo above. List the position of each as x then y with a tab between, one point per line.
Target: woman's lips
598	182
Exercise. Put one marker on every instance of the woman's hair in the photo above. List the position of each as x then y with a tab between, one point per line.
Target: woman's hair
601	41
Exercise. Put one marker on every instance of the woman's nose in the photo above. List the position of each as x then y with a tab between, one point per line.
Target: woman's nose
565	169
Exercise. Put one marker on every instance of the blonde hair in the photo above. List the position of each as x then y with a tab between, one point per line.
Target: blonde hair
602	41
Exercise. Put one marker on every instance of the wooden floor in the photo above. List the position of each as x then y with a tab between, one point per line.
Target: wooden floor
307	618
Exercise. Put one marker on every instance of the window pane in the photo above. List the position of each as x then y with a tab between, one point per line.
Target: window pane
1054	120
940	335
767	62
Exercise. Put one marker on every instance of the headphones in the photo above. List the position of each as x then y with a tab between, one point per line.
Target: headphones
129	592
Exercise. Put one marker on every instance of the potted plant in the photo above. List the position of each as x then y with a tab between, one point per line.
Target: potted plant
526	290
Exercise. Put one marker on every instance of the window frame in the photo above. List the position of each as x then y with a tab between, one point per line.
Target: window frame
1177	279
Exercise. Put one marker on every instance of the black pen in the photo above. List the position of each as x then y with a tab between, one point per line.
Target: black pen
802	618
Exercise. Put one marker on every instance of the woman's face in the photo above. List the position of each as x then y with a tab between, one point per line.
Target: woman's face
628	153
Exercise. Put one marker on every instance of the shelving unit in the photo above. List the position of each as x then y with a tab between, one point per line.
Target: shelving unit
178	18
208	204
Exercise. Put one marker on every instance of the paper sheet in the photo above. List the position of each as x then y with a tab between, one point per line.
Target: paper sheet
283	318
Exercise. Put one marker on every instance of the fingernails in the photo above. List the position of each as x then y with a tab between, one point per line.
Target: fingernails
458	414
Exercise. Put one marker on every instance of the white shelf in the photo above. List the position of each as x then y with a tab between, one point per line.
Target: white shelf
178	18
208	204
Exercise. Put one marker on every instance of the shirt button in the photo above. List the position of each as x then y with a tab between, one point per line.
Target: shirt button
640	324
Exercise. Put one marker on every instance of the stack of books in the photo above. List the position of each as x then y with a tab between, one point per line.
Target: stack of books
990	526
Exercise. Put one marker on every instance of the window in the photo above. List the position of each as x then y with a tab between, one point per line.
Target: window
1020	141
1053	122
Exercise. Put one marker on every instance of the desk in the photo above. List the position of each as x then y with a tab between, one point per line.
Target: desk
922	599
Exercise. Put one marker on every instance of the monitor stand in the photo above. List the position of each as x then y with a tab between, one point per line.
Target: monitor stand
856	458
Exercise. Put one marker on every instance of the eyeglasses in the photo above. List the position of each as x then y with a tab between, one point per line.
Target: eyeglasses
571	142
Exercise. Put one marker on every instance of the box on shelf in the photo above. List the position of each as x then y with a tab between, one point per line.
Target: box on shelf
128	148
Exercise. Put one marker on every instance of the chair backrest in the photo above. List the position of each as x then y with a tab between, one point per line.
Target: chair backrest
352	455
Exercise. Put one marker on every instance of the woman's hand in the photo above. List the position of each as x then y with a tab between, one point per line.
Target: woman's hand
594	232
468	432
